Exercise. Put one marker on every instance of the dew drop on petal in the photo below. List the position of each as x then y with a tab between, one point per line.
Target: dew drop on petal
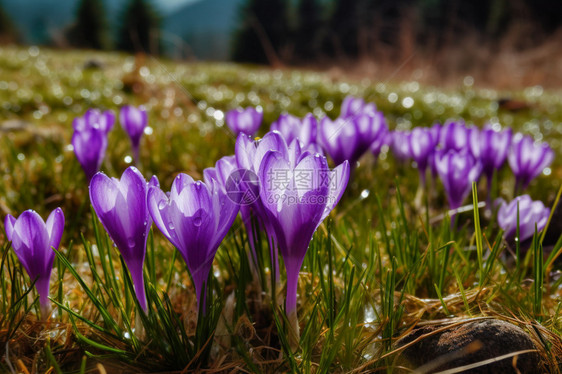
162	204
197	221
131	242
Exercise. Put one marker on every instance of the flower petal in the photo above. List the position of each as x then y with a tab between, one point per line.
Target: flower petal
55	227
9	222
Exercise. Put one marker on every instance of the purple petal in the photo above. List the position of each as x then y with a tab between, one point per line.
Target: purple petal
158	206
133	120
89	146
530	213
30	242
341	176
245	151
272	141
351	106
55	227
9	222
245	121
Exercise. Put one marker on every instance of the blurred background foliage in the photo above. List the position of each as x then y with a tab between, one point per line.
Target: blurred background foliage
452	37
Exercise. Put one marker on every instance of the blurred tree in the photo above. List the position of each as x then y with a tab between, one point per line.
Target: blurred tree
309	30
547	13
139	29
342	38
8	31
264	35
90	28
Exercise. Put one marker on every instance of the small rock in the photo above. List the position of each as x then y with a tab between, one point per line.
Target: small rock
469	343
93	64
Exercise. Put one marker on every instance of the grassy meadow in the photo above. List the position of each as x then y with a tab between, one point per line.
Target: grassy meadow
380	264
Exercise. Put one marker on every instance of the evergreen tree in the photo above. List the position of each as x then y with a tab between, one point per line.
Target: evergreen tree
8	32
309	32
342	38
264	34
139	29
90	28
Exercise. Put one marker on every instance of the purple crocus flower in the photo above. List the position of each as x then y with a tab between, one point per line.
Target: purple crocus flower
121	206
422	144
348	138
134	120
385	138
530	213
457	171
491	148
245	121
528	159
435	131
354	106
89	144
292	128
400	145
298	191
195	217
454	135
95	118
249	155
33	241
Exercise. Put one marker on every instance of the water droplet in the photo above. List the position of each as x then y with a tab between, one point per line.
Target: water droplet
171	226
365	194
131	242
162	204
197	221
145	223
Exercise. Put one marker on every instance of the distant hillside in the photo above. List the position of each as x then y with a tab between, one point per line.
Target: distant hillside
39	20
206	28
202	29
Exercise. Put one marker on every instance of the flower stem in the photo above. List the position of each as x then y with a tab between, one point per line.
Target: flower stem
138	283
291	308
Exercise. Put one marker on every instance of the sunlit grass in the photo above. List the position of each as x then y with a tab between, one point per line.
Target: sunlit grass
380	265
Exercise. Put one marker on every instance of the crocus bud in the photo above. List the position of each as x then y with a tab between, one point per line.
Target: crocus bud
422	145
292	128
195	217
457	171
94	117
298	192
528	159
454	135
531	213
349	138
33	241
121	206
89	147
133	120
245	121
400	145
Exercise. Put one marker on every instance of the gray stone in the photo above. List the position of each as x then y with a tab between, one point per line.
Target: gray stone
471	342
